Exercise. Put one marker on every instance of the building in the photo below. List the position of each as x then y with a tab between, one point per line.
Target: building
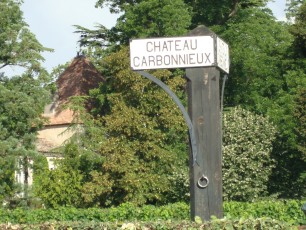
76	80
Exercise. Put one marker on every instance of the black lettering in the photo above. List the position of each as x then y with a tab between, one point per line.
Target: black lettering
151	60
177	45
157	47
167	60
159	60
136	59
207	57
182	59
195	45
149	49
165	47
170	45
191	59
174	59
200	61
186	47
144	62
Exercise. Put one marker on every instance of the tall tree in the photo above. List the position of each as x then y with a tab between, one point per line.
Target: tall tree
265	77
140	19
212	13
154	18
258	44
22	98
289	178
18	46
293	8
260	78
145	135
298	30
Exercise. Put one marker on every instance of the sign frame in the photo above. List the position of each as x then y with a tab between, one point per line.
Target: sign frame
179	52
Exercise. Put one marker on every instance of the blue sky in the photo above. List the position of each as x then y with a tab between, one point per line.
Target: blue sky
52	22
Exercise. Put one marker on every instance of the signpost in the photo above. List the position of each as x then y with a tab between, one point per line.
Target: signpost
203	54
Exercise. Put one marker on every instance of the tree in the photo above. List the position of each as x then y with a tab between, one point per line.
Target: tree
289	178
67	184
300	115
299	46
145	134
22	98
18	46
260	80
154	18
299	32
258	45
61	186
209	13
265	77
140	19
292	8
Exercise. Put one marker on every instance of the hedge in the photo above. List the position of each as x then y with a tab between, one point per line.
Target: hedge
288	211
224	224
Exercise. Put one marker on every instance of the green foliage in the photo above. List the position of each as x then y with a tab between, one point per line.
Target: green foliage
247	162
300	114
7	166
266	76
154	18
22	98
138	138
143	125
256	76
59	187
289	177
293	8
262	213
299	31
208	13
224	224
139	19
288	211
18	46
21	102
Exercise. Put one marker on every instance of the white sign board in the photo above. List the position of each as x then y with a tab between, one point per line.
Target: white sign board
222	55
178	52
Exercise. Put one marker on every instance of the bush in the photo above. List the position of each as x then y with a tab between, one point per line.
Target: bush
288	211
260	223
247	165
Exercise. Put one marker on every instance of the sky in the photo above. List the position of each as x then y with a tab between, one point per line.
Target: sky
52	23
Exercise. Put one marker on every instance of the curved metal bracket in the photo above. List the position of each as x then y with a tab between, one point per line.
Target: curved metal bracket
181	107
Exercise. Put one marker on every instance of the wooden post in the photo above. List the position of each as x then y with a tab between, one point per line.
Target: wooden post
204	111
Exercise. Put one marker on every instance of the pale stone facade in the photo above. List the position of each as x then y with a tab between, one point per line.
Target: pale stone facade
78	78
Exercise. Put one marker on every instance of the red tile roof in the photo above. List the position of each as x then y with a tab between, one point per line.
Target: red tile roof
76	80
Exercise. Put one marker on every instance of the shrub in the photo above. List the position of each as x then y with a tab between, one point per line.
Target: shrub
247	144
288	211
260	223
59	187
